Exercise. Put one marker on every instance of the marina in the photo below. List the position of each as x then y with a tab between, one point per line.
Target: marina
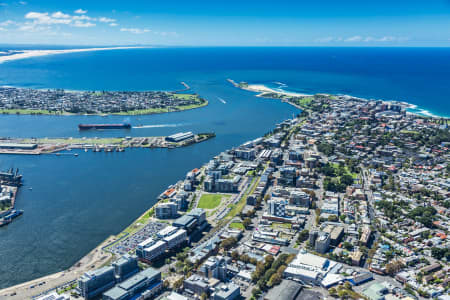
10	181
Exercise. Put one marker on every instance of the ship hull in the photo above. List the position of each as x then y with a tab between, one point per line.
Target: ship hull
103	126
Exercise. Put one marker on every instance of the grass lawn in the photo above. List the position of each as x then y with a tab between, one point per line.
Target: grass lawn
281	225
210	201
236	225
101	141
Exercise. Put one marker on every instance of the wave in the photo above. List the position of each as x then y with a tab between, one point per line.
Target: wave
221	100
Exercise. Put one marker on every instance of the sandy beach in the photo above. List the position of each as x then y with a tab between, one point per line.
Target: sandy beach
35	53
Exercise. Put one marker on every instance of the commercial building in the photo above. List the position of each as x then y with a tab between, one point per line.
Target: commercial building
215	267
147	281
322	242
270	239
18	146
228	291
125	267
93	283
309	268
300	198
336	233
186	222
198	284
151	249
288	176
53	296
166	210
247	154
277	207
199	214
174	296
175	239
286	290
181	136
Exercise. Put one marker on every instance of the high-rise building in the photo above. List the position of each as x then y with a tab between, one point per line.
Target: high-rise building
147	281
125	267
277	206
93	283
166	210
322	242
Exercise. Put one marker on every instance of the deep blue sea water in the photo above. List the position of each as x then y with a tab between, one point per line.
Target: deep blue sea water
78	202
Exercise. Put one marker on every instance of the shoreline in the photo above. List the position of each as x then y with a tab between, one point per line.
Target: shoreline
264	92
24	54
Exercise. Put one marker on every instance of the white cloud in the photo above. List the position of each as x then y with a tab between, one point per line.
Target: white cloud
7	23
60	15
364	39
83	24
325	39
106	20
113	24
355	38
23	3
134	30
2	29
83	17
80	11
33	27
44	18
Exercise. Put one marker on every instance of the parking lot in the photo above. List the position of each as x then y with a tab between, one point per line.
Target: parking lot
131	242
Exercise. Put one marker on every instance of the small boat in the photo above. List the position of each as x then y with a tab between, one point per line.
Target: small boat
85	150
30	188
76	154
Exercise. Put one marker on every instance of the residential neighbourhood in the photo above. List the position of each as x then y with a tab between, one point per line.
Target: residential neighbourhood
58	101
349	200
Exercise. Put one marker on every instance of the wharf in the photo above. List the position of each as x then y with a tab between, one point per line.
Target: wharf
37	146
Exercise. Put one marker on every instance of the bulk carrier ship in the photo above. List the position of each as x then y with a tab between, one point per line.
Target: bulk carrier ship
104	126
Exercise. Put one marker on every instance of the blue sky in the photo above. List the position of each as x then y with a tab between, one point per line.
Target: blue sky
226	23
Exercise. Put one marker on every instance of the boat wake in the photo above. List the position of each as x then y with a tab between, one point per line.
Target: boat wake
160	125
221	100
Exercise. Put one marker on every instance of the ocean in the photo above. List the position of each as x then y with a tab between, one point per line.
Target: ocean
77	202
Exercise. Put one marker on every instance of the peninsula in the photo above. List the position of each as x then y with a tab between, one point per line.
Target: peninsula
60	102
23	54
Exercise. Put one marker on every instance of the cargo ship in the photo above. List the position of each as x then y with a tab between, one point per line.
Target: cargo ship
104	126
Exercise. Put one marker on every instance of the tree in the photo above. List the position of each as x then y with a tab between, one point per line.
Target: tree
204	296
166	284
394	267
228	243
235	255
346	179
247	222
332	218
439	253
178	284
303	236
275	279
